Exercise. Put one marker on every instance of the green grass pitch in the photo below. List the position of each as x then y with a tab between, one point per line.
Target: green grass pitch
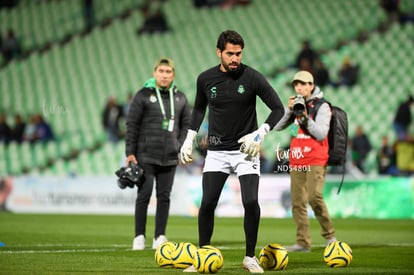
101	244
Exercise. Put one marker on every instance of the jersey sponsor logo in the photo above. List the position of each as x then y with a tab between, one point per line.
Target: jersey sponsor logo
254	166
213	91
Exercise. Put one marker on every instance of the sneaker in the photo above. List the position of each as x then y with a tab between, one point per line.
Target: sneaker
297	248
331	240
191	268
139	243
158	241
252	265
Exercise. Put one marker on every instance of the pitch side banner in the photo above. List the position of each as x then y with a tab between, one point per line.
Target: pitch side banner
371	198
379	198
101	195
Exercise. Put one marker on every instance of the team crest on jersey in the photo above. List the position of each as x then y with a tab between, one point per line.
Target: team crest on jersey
152	98
241	90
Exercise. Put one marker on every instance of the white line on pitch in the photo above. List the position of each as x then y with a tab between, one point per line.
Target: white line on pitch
117	246
57	251
66	245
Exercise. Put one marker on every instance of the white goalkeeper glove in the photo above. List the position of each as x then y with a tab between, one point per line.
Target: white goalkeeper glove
251	142
187	147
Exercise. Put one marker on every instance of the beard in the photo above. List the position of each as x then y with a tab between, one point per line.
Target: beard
233	72
229	69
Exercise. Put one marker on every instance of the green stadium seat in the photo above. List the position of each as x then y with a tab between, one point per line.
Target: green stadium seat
81	74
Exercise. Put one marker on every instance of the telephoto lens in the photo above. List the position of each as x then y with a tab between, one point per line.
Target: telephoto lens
299	105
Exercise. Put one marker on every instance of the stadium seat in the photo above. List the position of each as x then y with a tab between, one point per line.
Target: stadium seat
82	73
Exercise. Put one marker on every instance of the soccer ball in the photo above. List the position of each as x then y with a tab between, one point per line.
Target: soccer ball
183	255
273	257
163	254
208	260
218	252
337	254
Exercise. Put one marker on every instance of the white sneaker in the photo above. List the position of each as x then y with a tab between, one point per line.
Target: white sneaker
252	265
297	248
191	268
139	243
158	241
331	240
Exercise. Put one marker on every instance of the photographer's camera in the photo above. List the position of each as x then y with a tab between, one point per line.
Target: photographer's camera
130	176
299	105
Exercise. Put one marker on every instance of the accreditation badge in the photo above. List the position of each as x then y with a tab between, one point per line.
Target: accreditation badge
165	123
171	125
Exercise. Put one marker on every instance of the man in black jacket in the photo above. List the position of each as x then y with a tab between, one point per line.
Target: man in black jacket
157	123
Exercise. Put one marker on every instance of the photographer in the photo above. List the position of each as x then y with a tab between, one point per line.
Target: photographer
308	158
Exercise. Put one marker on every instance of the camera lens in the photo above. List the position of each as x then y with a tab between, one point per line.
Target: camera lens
299	105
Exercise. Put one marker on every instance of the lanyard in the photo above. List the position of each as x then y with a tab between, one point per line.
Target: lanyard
162	104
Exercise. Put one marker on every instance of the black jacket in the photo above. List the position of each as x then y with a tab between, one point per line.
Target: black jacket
145	137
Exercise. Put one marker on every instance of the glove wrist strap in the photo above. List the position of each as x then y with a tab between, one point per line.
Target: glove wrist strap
191	134
264	128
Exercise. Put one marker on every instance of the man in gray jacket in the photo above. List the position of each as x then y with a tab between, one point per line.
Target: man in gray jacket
157	124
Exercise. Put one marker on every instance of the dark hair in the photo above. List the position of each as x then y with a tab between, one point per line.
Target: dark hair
229	36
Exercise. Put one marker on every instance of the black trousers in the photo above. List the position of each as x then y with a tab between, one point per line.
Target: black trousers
213	183
163	177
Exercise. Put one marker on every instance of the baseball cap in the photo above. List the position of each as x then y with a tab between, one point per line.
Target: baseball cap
303	76
164	61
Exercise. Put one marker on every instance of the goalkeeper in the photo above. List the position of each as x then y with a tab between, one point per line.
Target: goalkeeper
229	90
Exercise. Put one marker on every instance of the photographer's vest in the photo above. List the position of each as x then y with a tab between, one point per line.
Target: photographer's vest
304	148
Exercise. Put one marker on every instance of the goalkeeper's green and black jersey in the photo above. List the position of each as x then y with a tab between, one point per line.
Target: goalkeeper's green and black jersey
231	101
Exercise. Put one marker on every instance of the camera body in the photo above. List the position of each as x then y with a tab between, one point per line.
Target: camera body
299	105
130	176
